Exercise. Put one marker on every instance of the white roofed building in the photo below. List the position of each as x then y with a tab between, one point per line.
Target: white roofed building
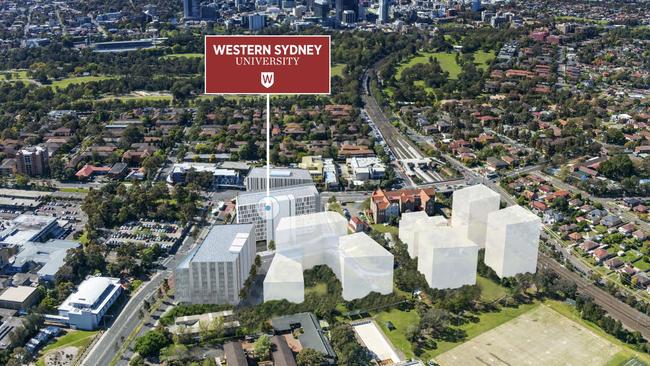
85	308
279	177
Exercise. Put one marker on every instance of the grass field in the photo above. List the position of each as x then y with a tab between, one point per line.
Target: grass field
184	55
155	97
385	229
73	338
625	353
490	291
318	289
542	336
447	61
74	190
337	70
63	83
401	320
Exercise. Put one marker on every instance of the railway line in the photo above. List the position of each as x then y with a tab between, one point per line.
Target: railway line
629	316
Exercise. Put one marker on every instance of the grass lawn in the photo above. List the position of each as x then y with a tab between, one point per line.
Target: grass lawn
16	75
482	58
621	357
319	289
642	265
401	320
153	98
74	189
184	55
486	322
490	291
63	83
73	338
337	70
447	62
385	229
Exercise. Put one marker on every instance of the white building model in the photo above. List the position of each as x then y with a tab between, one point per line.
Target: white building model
413	223
446	258
470	209
447	255
512	240
302	242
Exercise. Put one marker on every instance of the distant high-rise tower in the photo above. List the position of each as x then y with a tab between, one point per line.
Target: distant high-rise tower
476	6
342	5
191	9
383	11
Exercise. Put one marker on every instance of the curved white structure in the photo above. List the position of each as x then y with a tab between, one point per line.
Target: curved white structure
413	223
306	241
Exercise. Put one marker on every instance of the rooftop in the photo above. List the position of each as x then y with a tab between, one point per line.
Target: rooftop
89	293
17	294
280	173
222	244
249	198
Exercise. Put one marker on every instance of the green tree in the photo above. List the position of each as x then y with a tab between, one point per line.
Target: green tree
262	347
310	357
152	342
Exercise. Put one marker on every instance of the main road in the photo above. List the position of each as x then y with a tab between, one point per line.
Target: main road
106	348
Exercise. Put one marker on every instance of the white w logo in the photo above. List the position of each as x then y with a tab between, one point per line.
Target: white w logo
267	79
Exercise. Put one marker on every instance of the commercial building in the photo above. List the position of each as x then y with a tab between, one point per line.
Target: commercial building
383	10
85	308
388	204
321	9
348	17
342	5
512	241
49	256
27	227
32	161
314	165
216	270
17	298
364	169
470	209
413	223
302	242
287	202
446	258
256	21
221	178
191	9
279	177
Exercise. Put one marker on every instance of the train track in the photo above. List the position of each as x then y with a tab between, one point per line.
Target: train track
630	317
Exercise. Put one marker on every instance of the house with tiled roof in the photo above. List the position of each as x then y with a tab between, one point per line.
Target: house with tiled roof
387	204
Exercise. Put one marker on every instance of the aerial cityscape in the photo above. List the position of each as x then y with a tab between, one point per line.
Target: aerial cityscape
325	182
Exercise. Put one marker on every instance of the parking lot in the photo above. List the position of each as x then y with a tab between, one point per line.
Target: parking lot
146	232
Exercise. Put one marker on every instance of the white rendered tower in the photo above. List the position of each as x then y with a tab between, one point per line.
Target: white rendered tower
470	209
413	223
446	258
512	241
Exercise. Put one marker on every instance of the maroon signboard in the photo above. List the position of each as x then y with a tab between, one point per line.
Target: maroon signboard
267	64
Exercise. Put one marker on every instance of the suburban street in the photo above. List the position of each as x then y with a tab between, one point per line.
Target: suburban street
630	317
